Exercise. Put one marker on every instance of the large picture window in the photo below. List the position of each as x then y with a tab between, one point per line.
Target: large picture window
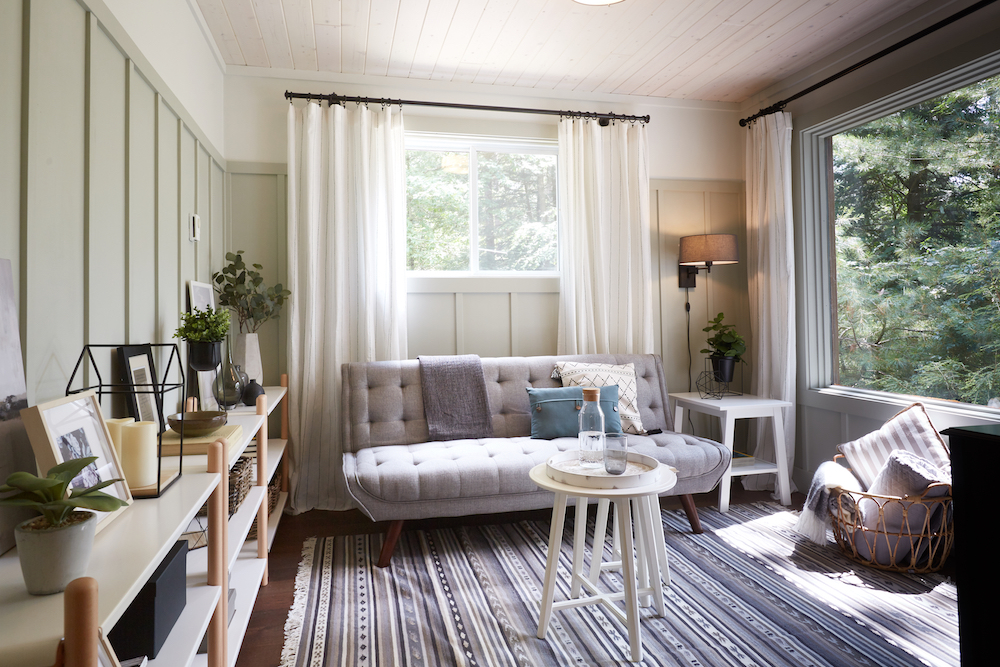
916	202
480	205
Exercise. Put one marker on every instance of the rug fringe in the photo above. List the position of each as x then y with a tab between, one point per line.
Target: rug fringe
296	614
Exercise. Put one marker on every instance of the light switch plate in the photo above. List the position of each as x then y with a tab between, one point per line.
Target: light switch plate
195	227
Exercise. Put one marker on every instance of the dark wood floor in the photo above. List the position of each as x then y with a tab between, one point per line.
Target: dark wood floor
265	635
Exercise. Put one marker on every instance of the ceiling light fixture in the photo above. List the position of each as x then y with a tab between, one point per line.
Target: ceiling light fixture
598	2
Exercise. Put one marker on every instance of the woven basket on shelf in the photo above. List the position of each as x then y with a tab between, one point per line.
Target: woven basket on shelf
273	490
240	480
922	543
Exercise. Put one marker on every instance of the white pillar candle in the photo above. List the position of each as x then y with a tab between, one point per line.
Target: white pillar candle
139	453
115	429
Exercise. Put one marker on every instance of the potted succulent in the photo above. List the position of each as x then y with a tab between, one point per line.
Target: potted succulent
204	330
726	348
242	289
54	548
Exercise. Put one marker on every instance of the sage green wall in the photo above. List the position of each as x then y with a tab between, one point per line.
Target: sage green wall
256	224
98	175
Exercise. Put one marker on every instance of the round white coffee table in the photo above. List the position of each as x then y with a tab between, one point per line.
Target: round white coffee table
635	508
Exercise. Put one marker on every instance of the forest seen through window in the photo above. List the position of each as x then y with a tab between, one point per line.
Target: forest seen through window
917	202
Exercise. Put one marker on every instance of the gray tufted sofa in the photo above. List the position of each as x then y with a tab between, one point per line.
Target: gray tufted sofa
395	474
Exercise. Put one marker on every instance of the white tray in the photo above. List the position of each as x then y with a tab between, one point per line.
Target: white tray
565	467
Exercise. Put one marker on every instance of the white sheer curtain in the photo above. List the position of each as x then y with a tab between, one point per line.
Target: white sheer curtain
606	290
346	264
771	277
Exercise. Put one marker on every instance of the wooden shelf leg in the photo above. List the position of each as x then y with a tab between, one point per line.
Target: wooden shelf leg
262	481
284	433
218	541
80	623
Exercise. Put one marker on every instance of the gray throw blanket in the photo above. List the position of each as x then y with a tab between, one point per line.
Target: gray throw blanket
815	513
456	405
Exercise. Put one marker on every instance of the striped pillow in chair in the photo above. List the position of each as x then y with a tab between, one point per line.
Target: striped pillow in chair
910	430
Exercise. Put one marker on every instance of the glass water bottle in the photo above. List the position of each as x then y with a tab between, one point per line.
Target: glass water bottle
591	430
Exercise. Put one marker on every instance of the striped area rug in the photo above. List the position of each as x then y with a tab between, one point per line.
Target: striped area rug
749	591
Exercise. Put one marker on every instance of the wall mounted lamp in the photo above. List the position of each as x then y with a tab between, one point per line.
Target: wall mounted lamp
702	251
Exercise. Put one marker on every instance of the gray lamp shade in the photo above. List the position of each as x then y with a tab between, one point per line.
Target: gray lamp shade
709	249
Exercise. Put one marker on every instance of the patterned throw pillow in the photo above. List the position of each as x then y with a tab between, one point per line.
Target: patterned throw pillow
578	374
911	430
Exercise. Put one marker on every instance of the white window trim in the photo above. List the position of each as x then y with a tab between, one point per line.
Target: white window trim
817	321
460	142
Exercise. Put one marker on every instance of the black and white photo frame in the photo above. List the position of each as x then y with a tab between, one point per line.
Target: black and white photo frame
73	427
202	295
138	372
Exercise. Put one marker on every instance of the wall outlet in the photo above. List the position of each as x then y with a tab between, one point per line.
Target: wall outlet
195	227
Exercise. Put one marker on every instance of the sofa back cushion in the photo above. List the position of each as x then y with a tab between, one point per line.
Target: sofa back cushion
381	402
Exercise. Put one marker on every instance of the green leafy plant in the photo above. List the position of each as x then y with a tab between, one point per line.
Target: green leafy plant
51	496
243	290
206	325
725	342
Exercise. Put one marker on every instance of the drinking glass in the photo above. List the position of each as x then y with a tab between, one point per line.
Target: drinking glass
615	453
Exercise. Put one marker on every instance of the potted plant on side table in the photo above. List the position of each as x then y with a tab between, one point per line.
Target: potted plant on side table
204	330
54	548
726	348
242	288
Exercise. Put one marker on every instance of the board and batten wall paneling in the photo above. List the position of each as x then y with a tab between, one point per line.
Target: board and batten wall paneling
170	233
684	208
141	210
10	141
54	206
256	225
106	174
105	191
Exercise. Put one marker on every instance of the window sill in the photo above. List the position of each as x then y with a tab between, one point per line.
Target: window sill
881	405
541	282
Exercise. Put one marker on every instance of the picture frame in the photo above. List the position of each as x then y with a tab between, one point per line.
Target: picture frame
138	371
202	295
73	427
106	656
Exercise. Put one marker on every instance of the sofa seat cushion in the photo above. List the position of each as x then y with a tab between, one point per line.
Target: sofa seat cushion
458	469
454	469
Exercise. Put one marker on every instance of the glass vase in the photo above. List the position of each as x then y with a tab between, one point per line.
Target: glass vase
229	384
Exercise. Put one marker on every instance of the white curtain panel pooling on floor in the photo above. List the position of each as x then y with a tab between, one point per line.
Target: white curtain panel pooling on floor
771	278
346	271
606	290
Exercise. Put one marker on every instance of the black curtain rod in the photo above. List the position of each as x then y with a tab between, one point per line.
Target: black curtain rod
780	105
334	98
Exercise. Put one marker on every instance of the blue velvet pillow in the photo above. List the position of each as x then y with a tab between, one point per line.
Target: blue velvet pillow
555	412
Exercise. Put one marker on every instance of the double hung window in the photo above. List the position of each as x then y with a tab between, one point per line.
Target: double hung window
478	205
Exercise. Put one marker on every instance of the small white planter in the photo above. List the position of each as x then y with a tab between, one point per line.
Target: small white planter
246	354
53	557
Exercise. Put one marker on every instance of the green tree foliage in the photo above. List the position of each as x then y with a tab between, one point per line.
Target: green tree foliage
917	197
516	211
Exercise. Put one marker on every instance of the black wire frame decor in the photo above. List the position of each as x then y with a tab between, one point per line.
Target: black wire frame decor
157	386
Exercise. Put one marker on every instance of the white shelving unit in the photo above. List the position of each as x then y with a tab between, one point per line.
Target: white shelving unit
125	555
128	551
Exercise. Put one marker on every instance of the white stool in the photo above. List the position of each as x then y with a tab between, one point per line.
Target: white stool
635	508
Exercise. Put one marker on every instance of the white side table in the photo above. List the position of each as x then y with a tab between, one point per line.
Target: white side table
728	409
637	504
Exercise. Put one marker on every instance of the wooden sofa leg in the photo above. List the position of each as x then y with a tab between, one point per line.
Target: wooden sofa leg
687	502
389	545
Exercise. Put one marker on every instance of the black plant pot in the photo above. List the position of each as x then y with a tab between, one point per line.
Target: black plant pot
724	368
204	356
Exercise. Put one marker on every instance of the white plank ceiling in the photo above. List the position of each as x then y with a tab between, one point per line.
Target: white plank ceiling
720	50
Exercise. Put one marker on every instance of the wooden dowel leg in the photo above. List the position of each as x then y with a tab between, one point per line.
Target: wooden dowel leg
284	433
80	623
262	481
218	541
